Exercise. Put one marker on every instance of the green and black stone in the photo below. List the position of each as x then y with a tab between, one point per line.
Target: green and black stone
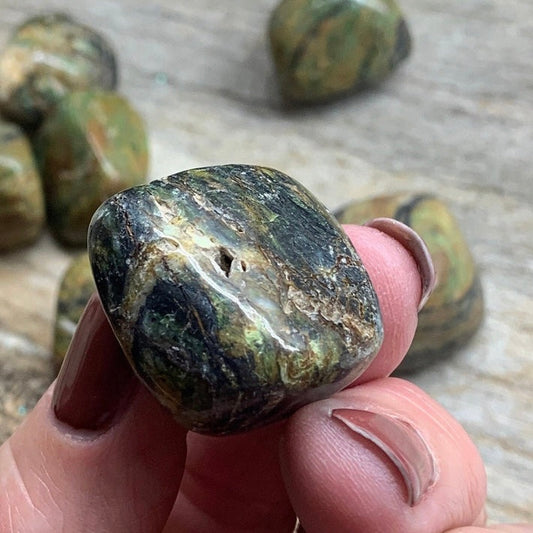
234	293
324	49
47	57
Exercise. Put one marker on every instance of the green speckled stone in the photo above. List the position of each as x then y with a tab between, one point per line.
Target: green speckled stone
77	285
93	145
323	49
234	293
21	195
47	57
454	311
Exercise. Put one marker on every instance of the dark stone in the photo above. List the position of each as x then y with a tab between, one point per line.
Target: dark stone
234	294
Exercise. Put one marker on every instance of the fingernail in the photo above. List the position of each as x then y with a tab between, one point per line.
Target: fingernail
415	245
95	379
402	444
298	527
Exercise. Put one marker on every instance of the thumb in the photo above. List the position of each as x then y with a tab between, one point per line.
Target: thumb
97	453
382	456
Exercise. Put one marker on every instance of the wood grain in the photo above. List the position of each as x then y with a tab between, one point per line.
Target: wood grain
455	120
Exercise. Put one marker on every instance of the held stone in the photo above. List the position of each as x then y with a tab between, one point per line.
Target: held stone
323	49
93	145
47	57
235	295
454	310
21	195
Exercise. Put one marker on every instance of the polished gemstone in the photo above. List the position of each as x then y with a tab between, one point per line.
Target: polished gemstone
234	293
454	311
93	145
323	49
47	57
21	194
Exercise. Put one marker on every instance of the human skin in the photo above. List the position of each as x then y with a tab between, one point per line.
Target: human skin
82	462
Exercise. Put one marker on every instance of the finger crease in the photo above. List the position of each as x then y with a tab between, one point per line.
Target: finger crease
21	483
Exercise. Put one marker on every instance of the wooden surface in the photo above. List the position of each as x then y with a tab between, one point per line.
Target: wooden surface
456	120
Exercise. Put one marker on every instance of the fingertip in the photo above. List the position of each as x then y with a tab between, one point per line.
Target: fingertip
60	478
500	528
415	245
96	436
397	281
95	379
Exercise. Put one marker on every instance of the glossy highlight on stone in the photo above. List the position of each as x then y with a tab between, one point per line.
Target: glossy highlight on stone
324	49
47	57
21	194
234	293
76	287
454	311
93	145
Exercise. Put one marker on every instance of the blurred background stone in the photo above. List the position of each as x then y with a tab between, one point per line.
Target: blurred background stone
92	145
75	289
46	57
328	48
21	194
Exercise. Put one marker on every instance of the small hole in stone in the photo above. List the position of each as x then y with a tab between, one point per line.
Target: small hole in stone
243	266
224	261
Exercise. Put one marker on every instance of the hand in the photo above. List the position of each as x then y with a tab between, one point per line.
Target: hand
99	454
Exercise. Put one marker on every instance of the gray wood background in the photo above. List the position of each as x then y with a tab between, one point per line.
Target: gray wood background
456	120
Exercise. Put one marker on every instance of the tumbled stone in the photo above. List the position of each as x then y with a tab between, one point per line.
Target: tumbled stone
92	146
454	310
47	57
323	49
75	289
234	293
21	195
